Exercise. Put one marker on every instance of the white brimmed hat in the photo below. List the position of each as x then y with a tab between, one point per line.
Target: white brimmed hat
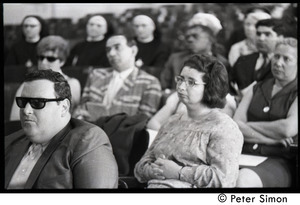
208	20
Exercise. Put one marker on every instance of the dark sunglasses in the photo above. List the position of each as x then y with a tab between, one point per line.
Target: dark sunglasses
36	103
49	58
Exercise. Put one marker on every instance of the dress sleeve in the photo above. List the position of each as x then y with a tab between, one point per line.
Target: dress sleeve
222	166
141	170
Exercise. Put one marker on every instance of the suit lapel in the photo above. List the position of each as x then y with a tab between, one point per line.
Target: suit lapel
37	169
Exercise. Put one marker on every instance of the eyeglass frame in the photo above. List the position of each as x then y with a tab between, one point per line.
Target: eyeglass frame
187	84
43	100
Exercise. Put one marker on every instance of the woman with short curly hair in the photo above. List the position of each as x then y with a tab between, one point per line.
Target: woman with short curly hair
200	148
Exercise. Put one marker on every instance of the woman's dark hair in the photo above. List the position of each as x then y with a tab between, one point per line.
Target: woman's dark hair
61	86
44	27
216	79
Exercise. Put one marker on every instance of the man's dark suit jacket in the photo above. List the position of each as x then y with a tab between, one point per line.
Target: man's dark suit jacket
243	71
73	159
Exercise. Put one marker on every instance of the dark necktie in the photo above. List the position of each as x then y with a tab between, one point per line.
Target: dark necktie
263	69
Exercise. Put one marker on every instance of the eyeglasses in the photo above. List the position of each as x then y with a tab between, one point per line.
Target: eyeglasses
189	82
36	103
50	59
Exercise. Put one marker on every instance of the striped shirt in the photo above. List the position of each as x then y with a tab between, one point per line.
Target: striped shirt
140	93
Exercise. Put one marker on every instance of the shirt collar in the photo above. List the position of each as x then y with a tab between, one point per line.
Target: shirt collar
269	55
124	74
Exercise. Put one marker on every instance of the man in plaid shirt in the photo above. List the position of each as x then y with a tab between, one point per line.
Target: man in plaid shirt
121	88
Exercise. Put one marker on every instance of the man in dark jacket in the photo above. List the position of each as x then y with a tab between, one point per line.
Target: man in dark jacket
53	151
256	66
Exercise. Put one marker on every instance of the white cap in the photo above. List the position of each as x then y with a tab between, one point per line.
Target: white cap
259	15
208	20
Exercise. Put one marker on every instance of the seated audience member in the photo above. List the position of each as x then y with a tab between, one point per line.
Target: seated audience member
202	148
121	88
173	105
238	33
256	66
268	119
52	51
152	52
23	52
248	45
91	51
54	151
200	35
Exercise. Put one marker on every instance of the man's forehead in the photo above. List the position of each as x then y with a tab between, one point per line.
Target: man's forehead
265	29
115	40
38	88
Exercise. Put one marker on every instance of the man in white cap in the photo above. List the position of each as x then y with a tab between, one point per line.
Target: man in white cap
200	35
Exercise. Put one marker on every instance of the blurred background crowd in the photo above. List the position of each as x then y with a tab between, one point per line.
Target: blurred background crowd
69	21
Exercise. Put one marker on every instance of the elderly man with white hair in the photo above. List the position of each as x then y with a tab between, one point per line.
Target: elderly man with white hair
152	52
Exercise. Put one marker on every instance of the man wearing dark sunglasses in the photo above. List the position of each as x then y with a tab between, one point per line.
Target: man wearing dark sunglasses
54	150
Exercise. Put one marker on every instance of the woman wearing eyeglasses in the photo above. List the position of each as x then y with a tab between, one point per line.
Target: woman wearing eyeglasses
52	52
23	52
202	148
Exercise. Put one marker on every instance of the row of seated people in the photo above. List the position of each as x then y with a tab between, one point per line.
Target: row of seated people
196	147
153	55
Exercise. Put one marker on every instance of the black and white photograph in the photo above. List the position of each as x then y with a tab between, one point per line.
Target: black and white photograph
151	98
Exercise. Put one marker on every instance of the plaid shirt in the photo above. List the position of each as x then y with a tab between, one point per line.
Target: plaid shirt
140	93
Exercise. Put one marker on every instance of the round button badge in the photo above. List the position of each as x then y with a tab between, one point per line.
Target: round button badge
266	109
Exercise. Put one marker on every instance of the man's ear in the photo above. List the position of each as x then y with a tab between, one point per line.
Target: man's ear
134	50
61	63
65	107
280	37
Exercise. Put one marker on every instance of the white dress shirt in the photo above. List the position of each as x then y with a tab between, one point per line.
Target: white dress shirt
26	165
115	85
